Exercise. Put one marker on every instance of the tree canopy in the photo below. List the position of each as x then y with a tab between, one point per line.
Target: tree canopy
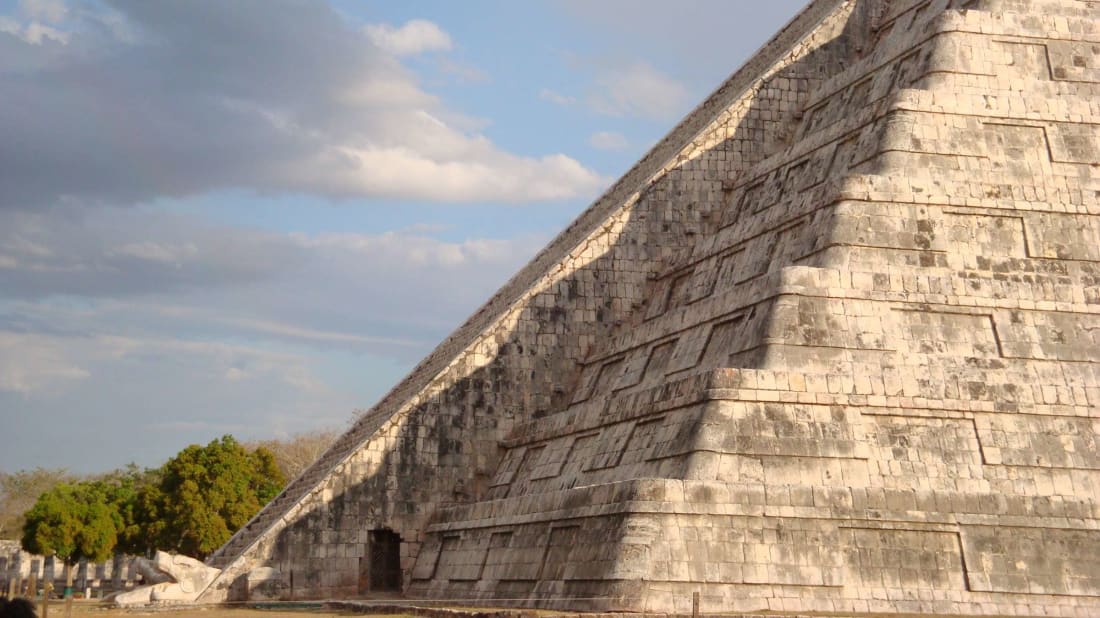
191	505
73	521
206	493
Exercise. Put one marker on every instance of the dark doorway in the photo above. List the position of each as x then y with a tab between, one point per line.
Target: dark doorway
385	561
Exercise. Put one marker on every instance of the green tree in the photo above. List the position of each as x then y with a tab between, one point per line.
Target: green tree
206	493
72	521
131	491
192	504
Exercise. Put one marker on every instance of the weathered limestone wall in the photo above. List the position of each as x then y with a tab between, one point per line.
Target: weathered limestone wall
913	283
830	347
434	440
441	447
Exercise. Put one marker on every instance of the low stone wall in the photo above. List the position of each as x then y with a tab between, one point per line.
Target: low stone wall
98	579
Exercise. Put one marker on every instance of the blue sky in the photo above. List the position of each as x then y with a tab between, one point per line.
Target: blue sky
254	217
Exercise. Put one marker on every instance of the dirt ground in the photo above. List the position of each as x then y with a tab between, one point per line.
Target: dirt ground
96	609
90	609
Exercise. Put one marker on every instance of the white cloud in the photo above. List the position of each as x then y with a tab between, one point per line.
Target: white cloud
608	140
21	244
639	90
230	362
51	11
164	253
400	172
111	386
357	123
31	362
103	252
289	331
34	33
33	26
235	374
411	249
165	273
172	273
556	98
415	37
256	330
10	26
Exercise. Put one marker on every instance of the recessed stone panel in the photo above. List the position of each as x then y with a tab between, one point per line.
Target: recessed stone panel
460	558
1032	560
745	428
985	235
582	449
643	440
532	457
633	368
552	460
1018	150
499	557
689	348
903	559
1044	335
1075	61
1075	143
1024	59
706	276
556	560
1040	441
609	446
680	290
598	378
509	465
952	334
1064	237
723	341
587	382
659	358
826	113
933	452
658	300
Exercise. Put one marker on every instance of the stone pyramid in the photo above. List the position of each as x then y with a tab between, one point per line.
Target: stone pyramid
833	345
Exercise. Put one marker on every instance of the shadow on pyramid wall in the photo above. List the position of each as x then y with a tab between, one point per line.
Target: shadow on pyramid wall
774	302
446	450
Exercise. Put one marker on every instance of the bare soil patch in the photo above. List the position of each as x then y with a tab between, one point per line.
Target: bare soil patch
90	609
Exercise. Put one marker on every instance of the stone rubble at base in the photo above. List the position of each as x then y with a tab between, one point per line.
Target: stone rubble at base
833	345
